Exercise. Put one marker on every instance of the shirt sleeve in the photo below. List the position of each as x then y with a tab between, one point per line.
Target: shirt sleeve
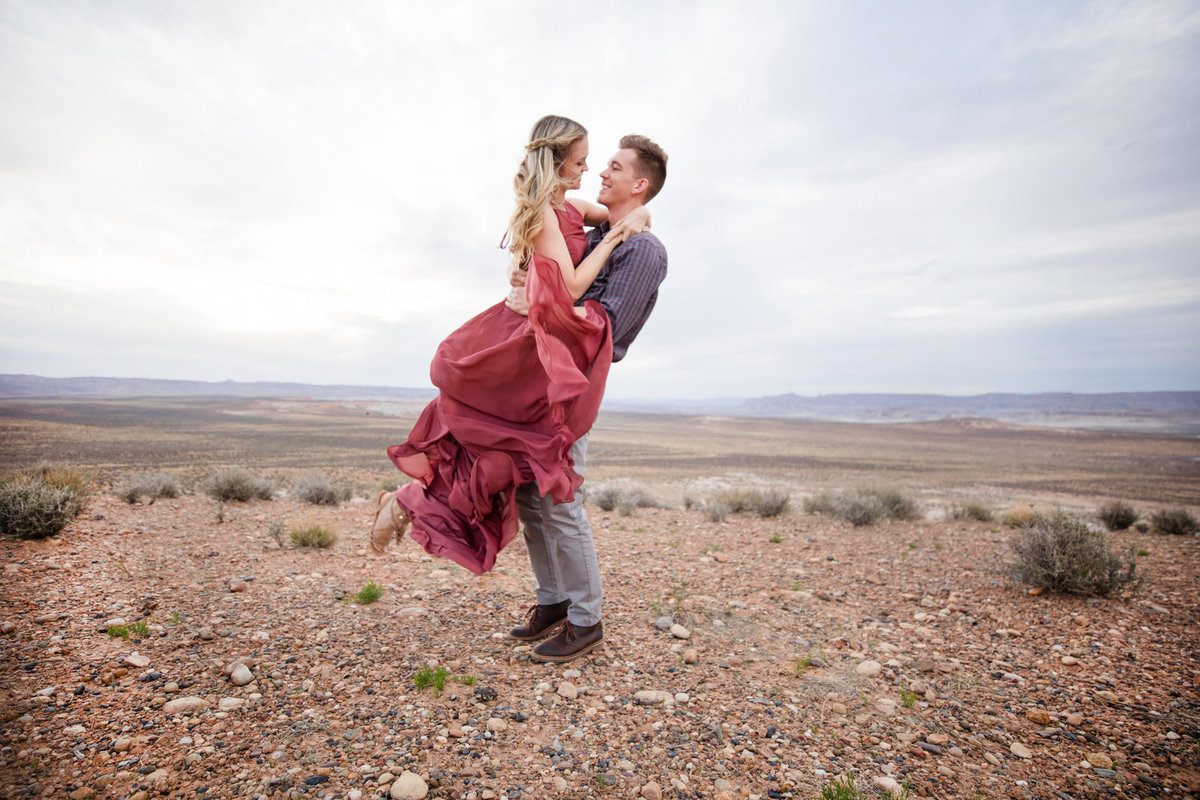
637	268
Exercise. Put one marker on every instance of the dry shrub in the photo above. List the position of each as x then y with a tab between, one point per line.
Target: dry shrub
1177	522
624	501
864	506
749	501
43	501
152	487
972	511
238	485
313	535
1062	554
318	489
1117	516
1020	516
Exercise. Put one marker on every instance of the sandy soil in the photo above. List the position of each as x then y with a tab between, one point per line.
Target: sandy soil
892	651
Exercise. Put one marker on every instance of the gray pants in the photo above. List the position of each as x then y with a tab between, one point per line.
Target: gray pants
561	551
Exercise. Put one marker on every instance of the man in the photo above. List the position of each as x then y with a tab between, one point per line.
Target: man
558	536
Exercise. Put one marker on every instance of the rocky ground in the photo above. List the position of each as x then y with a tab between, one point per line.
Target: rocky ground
745	658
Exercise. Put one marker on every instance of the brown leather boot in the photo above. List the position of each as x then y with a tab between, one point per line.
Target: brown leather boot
541	621
390	522
570	643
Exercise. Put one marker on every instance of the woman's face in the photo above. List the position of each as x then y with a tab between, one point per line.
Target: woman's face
575	164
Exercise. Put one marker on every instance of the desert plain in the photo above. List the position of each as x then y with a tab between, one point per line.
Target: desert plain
744	656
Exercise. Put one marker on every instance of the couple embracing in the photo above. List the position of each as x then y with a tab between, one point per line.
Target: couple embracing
505	441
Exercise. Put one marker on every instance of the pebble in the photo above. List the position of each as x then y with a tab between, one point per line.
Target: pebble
1107	697
412	612
230	703
237	586
1038	715
991	759
7	627
651	791
568	690
886	784
838	708
680	632
497	725
183	705
1075	720
409	786
868	669
136	659
206	633
664	623
650	697
1020	751
1069	661
241	675
1099	760
690	656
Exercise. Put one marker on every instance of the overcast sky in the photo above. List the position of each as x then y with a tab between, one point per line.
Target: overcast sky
862	196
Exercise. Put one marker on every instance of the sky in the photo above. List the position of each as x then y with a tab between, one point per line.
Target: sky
919	197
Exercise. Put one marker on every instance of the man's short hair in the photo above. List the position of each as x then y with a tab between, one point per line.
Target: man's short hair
651	162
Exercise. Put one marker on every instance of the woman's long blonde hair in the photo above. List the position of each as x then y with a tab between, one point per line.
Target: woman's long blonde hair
537	180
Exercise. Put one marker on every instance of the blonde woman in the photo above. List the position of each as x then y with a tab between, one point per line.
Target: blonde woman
515	392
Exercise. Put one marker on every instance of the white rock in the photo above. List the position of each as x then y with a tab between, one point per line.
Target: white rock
230	703
409	786
136	659
1019	750
497	725
649	697
183	705
680	632
241	675
868	669
568	690
888	785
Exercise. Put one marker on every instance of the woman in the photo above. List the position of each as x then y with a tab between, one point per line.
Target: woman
515	392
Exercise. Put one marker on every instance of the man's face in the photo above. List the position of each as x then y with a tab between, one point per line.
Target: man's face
575	164
618	179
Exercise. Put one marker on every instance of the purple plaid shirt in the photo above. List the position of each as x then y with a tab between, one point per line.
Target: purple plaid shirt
627	285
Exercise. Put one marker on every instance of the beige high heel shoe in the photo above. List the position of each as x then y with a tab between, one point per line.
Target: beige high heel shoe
390	522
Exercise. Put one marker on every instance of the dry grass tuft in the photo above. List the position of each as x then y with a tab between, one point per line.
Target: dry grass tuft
1062	554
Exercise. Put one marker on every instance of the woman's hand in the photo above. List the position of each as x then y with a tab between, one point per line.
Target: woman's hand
635	221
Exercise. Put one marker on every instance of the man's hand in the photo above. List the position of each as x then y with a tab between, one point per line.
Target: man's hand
516	300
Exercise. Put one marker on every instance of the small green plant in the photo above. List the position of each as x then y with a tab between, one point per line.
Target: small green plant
1143	552
238	485
277	531
465	680
313	536
316	488
776	538
971	511
175	618
1178	522
431	676
369	593
41	502
802	664
1062	554
796	586
1117	516
937	545
711	548
139	628
841	789
908	697
679	593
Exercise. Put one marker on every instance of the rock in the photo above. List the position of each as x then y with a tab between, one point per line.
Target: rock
722	785
886	784
568	690
409	786
411	612
868	669
664	623
1075	720
650	697
1099	760
991	758
82	793
1107	697
945	771
1069	661
241	675
183	705
230	703
680	632
236	586
206	633
497	725
7	627
690	656
652	791
560	784
159	779
1038	715
1019	750
136	659
838	708
122	744
115	622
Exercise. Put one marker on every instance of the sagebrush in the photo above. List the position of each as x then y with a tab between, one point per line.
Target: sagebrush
41	502
151	487
864	506
971	511
1117	516
624	501
238	485
318	489
770	503
1178	522
1060	553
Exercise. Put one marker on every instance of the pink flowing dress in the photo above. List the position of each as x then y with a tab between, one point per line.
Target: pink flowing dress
514	394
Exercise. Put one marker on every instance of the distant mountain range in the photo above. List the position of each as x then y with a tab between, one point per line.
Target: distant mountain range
1167	412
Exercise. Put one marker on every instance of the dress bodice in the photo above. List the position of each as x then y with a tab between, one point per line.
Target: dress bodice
570	222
